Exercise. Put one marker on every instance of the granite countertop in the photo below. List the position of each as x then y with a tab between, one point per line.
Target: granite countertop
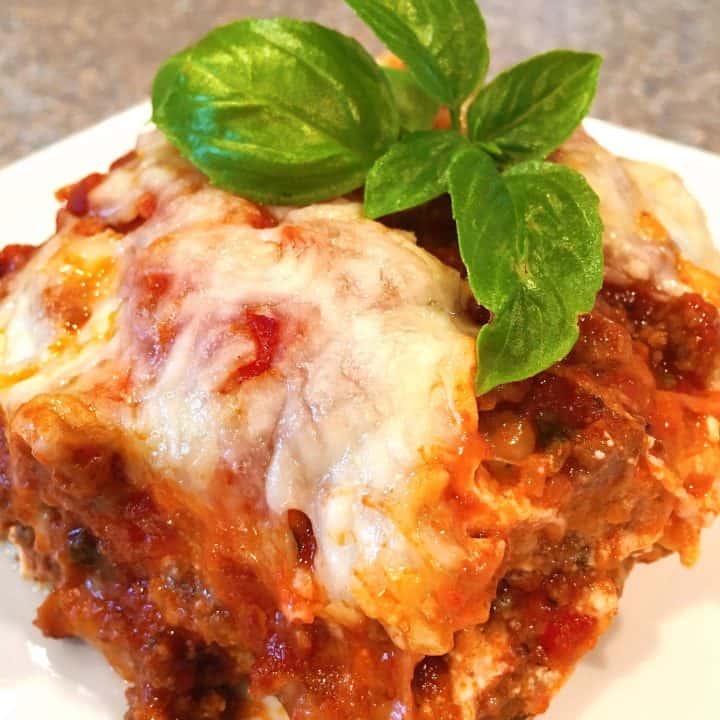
66	64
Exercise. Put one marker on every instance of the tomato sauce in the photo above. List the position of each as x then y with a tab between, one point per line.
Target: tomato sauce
265	333
304	537
76	196
14	258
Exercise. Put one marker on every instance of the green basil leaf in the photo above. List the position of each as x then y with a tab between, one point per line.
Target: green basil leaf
412	172
563	229
529	110
278	111
487	226
417	110
442	42
532	243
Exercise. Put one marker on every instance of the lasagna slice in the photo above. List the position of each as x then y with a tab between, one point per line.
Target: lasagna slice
242	446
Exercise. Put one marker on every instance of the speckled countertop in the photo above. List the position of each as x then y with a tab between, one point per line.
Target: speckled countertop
65	64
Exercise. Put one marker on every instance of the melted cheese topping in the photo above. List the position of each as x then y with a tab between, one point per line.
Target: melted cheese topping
358	419
59	315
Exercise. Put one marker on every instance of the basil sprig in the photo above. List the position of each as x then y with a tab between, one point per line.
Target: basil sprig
284	111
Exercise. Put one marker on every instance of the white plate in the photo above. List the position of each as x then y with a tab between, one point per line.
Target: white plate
660	659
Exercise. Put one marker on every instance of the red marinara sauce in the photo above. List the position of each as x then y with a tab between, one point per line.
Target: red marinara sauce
15	257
